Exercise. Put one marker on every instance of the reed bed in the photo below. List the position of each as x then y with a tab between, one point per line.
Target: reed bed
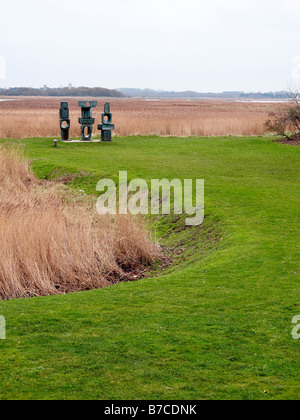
25	118
53	241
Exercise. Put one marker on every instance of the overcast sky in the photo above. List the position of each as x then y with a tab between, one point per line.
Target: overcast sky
202	45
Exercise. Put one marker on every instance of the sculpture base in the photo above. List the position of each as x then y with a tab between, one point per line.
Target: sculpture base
80	141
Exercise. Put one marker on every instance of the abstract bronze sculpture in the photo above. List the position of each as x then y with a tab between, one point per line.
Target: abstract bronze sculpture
64	119
87	121
106	127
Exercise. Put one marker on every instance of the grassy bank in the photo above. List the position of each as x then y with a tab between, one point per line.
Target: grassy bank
215	325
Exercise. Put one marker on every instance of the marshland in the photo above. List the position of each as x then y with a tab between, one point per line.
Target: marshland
38	117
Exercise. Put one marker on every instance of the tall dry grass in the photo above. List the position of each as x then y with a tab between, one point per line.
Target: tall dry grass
39	117
49	246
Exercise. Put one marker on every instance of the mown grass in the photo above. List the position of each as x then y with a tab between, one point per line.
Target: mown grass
217	325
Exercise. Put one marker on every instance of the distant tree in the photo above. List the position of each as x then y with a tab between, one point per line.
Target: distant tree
62	92
285	121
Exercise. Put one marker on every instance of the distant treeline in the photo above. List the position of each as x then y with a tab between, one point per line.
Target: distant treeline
64	91
149	93
137	93
265	95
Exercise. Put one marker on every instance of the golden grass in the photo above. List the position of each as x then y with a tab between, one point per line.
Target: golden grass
49	246
38	117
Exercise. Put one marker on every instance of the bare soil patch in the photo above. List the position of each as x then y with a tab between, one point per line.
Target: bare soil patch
295	141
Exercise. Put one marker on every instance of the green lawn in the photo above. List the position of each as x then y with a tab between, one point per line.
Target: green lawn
215	325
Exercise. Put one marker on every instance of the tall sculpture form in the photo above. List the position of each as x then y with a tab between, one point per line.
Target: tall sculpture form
64	119
106	127
87	121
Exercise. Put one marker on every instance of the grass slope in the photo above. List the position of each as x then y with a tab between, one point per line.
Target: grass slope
217	325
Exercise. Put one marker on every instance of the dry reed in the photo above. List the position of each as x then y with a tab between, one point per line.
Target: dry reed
38	117
49	246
